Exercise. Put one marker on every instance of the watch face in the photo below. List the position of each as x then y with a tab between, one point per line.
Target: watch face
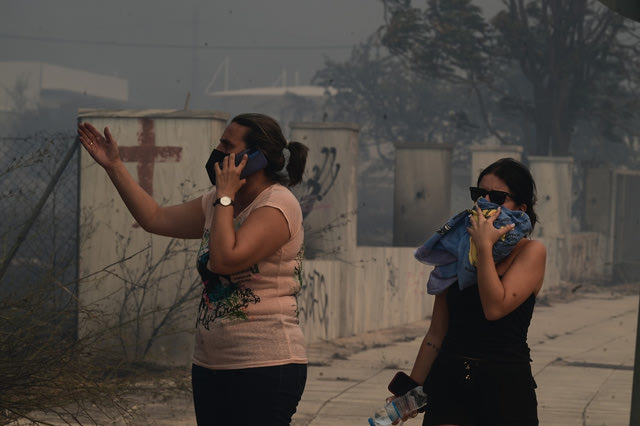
225	201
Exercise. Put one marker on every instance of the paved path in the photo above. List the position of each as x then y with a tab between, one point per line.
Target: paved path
583	363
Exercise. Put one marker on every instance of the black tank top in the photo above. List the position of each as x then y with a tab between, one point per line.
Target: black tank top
470	334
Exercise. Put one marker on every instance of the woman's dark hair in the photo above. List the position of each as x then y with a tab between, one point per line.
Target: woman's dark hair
519	180
265	134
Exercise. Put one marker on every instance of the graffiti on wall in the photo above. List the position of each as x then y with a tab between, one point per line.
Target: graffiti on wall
313	299
323	177
392	276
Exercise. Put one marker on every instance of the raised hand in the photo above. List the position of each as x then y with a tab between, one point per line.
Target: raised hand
103	148
482	230
228	180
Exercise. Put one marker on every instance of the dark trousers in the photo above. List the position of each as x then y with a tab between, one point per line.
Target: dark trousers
480	393
247	397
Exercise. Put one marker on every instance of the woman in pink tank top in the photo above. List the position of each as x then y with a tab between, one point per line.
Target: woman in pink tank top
249	364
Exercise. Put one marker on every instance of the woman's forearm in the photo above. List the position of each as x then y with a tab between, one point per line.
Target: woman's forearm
427	354
430	346
140	204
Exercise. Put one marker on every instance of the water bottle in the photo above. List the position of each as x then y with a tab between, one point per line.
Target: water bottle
399	407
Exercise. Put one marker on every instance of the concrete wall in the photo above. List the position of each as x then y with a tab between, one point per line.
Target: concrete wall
626	257
384	287
422	193
401	295
553	177
586	258
574	258
612	210
328	194
166	152
346	289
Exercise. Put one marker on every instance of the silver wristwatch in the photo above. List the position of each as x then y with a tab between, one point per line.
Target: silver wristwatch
223	201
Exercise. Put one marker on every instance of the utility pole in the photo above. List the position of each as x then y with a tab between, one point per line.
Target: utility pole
224	68
226	74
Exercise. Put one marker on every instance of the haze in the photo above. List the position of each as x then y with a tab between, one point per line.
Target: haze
150	42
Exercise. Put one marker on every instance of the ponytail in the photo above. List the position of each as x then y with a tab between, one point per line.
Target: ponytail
297	162
266	134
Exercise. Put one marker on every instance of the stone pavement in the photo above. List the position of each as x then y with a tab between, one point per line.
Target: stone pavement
582	353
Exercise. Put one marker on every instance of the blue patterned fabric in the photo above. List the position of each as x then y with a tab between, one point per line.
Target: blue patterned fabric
452	251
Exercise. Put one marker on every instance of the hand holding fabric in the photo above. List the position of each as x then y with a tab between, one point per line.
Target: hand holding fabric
483	231
454	252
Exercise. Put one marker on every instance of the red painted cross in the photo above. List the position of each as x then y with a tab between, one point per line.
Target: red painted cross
146	154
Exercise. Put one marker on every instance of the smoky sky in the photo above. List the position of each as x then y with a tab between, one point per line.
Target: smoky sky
150	43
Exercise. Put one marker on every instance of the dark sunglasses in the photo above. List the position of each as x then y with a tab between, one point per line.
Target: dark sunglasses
496	197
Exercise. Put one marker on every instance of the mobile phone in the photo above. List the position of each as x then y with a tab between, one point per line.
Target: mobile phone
256	161
401	384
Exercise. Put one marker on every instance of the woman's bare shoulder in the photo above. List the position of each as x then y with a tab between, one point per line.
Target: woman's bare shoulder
534	246
530	252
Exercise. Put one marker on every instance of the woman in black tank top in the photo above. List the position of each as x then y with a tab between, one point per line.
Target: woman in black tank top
474	359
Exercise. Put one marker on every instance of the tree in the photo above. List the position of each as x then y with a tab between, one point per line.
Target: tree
538	73
577	57
379	92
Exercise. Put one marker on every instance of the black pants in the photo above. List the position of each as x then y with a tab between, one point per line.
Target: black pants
247	397
480	393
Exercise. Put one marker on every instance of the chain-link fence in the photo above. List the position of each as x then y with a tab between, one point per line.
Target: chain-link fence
39	219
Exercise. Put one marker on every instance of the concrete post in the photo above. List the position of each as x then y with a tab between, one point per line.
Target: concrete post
611	208
328	192
484	155
600	209
553	177
422	192
166	152
626	227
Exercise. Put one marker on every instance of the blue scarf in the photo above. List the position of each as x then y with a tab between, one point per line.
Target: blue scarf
452	251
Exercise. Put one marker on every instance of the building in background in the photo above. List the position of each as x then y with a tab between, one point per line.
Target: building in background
52	94
284	103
